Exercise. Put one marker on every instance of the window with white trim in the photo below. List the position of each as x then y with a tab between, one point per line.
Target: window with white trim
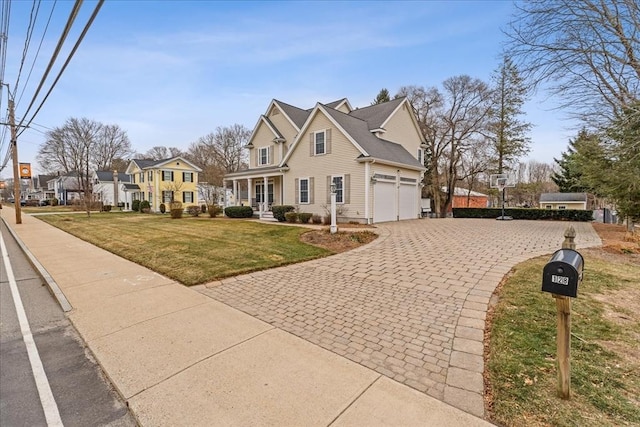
187	176
167	196
150	176
263	156
304	190
562	207
167	175
187	196
320	143
338	181
548	206
420	154
141	176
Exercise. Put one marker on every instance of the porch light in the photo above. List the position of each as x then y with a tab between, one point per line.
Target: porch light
333	188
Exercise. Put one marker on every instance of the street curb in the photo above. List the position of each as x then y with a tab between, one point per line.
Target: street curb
51	284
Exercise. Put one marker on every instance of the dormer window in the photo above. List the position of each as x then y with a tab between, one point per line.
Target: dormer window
320	146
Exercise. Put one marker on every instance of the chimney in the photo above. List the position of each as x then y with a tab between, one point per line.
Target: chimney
115	188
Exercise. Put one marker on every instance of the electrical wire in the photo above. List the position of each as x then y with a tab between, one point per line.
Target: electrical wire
33	17
35	58
73	51
4	31
56	52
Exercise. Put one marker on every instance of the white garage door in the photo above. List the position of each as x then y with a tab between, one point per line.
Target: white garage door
408	201
384	201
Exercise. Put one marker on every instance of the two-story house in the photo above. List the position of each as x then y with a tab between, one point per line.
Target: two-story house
164	181
373	156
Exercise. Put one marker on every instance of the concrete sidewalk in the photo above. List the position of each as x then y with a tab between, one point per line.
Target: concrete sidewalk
179	357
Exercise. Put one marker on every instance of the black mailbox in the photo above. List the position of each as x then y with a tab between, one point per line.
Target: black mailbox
563	272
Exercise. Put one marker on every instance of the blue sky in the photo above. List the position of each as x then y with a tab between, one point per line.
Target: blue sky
169	72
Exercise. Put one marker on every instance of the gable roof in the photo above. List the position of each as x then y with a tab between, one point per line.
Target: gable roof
376	115
297	115
563	197
107	176
373	146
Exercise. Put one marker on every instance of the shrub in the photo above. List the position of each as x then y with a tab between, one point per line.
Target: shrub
135	205
163	208
175	205
518	213
239	211
316	219
291	217
326	220
304	217
214	210
280	210
31	202
145	206
193	210
106	208
55	202
203	208
176	213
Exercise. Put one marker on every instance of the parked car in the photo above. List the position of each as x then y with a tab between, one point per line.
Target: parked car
12	200
45	202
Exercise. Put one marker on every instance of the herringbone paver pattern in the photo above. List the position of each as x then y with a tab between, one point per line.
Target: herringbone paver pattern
411	305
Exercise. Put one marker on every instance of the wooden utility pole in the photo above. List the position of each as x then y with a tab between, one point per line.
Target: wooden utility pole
563	336
14	154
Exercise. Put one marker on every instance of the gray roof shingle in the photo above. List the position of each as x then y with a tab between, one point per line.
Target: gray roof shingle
563	197
107	176
298	115
375	115
375	147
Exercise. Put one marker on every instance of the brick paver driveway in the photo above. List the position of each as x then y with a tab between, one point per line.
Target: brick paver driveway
411	305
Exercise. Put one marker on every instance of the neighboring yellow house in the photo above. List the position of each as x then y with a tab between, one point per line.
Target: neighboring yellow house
163	181
560	201
374	156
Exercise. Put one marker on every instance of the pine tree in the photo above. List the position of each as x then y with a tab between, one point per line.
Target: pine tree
508	134
383	96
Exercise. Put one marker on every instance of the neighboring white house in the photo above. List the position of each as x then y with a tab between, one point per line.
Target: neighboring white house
221	196
104	184
66	188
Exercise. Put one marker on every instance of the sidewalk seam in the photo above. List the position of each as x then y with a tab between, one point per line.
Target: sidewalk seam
355	400
44	274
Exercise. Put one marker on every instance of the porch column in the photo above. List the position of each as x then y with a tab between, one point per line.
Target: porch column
249	192
265	194
367	189
235	193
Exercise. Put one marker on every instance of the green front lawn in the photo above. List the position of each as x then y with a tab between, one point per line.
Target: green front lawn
191	250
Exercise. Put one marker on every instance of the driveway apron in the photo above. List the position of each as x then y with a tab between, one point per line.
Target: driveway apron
411	305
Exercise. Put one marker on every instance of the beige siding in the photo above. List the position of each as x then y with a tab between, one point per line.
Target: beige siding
344	108
567	205
263	137
400	129
341	161
284	126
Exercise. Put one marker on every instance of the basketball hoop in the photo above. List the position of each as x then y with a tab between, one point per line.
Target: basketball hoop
501	183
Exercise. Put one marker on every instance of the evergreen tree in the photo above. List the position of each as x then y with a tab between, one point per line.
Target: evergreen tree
383	96
570	177
508	134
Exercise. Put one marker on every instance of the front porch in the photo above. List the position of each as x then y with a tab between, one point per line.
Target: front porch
260	189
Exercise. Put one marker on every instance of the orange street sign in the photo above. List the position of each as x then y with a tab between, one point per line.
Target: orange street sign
25	170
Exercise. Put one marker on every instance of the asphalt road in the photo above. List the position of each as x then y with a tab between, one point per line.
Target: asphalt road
82	394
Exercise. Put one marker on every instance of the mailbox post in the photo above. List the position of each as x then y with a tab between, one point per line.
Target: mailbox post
561	277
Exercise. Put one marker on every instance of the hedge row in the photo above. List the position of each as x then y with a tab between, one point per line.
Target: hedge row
536	214
238	211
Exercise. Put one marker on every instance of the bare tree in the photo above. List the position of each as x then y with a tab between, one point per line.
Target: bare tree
220	152
112	144
474	164
160	153
508	134
587	50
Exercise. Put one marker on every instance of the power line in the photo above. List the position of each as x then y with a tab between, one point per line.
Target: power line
33	17
63	37
4	31
73	51
35	58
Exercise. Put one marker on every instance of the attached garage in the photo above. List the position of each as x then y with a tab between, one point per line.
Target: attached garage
393	200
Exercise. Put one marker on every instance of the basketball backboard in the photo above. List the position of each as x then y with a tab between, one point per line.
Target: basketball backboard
502	180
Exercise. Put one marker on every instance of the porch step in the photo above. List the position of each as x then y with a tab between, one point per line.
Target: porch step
268	216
